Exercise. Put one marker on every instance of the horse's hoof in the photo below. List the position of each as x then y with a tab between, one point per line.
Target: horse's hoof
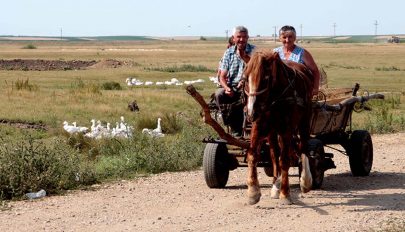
286	201
274	193
254	199
304	189
305	184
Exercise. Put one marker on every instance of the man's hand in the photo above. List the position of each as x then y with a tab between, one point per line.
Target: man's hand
240	84
228	91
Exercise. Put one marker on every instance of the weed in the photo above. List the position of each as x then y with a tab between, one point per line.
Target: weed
28	165
25	85
29	46
111	85
391	68
183	68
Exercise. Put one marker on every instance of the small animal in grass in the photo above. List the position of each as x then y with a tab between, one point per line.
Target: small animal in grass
133	106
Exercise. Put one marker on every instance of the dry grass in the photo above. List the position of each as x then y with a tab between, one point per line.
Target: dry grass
56	101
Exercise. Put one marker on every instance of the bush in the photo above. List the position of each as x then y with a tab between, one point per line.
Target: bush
25	85
183	68
391	68
28	165
145	155
112	85
382	118
29	46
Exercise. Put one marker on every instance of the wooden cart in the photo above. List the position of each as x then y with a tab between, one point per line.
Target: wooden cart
331	123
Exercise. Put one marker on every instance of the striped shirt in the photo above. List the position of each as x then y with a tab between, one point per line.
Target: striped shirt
296	55
232	63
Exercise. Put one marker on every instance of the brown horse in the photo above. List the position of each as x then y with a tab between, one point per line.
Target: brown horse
279	107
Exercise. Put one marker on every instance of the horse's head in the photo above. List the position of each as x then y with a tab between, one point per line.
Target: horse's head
260	75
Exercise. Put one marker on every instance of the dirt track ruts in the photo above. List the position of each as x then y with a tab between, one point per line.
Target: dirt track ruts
183	202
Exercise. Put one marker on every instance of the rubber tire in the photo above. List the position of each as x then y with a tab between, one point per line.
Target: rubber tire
216	171
360	151
315	148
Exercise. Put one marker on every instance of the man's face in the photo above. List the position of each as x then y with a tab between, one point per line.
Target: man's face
288	39
240	39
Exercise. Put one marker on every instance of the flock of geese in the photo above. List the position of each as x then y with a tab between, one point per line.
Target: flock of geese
121	129
132	81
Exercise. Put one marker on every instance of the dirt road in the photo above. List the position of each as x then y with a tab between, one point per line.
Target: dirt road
183	202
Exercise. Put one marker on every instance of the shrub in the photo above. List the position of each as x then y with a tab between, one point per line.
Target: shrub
25	85
144	155
382	118
111	85
29	46
171	123
391	68
28	165
183	68
77	84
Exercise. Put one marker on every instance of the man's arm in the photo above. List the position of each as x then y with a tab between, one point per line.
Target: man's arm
223	82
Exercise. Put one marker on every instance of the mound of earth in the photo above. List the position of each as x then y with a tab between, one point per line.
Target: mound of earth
24	124
55	65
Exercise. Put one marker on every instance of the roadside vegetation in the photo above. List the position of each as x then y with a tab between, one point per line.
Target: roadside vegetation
46	157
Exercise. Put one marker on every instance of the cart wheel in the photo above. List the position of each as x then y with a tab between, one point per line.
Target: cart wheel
268	171
216	171
360	151
316	159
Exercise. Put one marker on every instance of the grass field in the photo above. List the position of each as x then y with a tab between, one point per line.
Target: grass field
76	95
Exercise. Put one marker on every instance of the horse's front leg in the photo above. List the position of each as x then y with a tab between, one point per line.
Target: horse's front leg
275	155
254	193
286	151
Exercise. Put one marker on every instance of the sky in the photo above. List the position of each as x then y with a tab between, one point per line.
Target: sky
199	18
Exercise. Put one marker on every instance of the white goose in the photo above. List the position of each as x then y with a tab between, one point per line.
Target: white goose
81	129
71	129
157	132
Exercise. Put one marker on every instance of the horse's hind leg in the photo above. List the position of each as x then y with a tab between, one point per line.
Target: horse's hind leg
254	193
306	176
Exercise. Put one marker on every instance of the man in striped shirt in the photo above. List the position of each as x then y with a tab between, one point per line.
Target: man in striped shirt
233	63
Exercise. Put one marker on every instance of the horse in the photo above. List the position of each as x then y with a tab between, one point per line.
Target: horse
279	95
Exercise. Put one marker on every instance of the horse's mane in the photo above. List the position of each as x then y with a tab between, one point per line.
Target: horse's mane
258	59
265	59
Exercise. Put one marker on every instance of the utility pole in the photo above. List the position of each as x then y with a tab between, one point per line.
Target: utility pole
375	32
60	33
275	34
226	34
334	29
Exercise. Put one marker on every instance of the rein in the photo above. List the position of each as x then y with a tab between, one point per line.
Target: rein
293	99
